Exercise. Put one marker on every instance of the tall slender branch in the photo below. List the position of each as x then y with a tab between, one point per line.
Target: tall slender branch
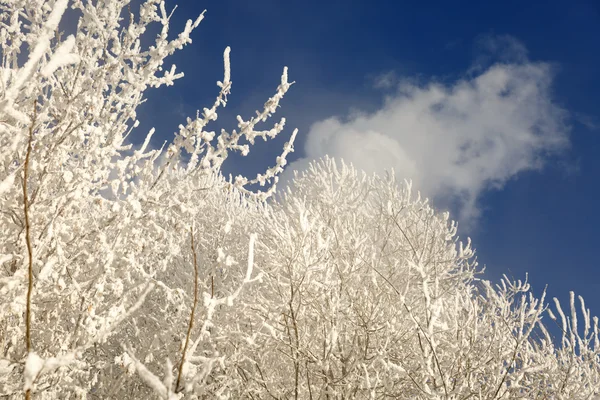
192	313
28	239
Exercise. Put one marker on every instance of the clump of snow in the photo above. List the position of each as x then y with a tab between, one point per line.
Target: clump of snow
33	366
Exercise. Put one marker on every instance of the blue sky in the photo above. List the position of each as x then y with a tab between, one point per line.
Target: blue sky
493	108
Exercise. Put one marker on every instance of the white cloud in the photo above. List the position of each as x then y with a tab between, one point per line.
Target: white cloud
455	140
386	80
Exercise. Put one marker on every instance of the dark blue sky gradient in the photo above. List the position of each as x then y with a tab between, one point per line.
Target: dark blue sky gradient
543	222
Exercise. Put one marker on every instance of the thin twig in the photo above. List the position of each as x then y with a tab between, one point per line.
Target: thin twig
191	324
406	237
28	240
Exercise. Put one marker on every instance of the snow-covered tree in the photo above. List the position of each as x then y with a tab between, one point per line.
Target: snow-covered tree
141	272
376	298
110	252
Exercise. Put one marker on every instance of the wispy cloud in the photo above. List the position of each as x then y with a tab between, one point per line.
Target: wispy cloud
454	140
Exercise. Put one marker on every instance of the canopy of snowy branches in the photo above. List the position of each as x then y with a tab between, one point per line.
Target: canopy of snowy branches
137	272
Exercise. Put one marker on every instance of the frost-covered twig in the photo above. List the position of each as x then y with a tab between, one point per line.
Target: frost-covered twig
152	380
